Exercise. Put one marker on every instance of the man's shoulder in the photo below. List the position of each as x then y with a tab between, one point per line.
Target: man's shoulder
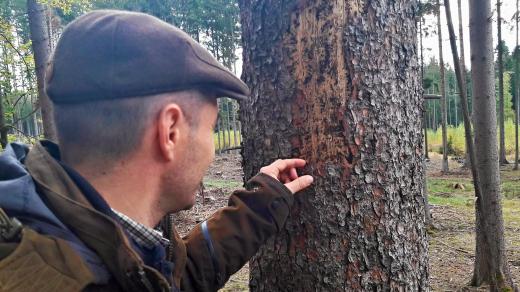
48	253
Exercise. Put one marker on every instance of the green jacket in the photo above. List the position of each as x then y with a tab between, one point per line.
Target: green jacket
45	259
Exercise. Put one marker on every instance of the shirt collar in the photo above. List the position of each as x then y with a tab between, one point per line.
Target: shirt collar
143	235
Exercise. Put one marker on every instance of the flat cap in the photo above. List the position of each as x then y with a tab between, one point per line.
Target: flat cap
110	54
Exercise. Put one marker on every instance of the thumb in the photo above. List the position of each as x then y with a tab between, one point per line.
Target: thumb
300	183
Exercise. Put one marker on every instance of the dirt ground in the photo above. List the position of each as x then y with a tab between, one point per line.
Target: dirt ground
452	242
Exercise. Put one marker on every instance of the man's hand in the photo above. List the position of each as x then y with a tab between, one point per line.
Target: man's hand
285	172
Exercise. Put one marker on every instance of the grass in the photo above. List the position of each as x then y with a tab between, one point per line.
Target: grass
222	184
442	191
456	140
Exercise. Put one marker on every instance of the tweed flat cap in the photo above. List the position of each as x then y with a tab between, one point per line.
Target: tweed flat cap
110	54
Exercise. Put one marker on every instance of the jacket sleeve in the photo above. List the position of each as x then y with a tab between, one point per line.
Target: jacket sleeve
221	245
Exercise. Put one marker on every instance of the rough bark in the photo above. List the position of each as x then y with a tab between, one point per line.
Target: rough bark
40	46
337	83
443	100
491	265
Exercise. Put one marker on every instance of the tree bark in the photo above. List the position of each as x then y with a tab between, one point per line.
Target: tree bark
421	19
443	100
491	265
427	213
337	83
502	153
40	46
462	61
3	124
517	87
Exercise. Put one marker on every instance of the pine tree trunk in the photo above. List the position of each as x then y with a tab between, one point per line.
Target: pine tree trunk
40	46
517	87
427	212
502	149
337	83
491	265
462	61
443	101
3	125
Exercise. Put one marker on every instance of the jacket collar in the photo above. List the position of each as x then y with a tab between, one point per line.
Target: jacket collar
97	230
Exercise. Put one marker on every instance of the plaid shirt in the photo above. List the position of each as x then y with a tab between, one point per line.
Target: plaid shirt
143	235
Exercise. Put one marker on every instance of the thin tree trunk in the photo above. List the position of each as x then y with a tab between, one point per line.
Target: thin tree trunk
337	83
517	87
491	265
3	125
427	213
40	46
462	61
502	153
219	129
234	123
443	100
228	127
422	80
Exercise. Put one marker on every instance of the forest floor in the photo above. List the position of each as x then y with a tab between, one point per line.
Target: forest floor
452	240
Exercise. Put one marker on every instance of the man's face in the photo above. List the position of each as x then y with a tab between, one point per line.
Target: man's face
195	153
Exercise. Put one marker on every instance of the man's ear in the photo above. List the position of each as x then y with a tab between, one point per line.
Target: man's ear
169	127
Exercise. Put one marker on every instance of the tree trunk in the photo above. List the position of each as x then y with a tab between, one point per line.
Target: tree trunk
421	19
491	265
427	213
3	125
517	87
40	46
462	61
337	83
502	153
444	115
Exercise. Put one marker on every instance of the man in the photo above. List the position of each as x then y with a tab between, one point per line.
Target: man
135	110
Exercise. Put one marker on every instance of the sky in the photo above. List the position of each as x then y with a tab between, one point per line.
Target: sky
431	46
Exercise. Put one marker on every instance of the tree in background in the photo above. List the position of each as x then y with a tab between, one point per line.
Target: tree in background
491	265
444	117
502	148
337	83
462	61
40	44
517	85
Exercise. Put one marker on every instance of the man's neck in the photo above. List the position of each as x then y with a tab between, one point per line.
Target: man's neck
130	192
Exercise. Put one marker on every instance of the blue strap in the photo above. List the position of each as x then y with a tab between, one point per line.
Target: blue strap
209	242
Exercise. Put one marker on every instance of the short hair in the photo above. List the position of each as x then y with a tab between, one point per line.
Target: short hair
107	131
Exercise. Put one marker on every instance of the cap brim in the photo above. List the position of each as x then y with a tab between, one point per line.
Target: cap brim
221	92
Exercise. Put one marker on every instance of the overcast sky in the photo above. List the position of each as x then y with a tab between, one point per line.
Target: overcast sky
431	43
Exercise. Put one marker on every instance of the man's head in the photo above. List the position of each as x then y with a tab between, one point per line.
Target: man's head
128	87
171	133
